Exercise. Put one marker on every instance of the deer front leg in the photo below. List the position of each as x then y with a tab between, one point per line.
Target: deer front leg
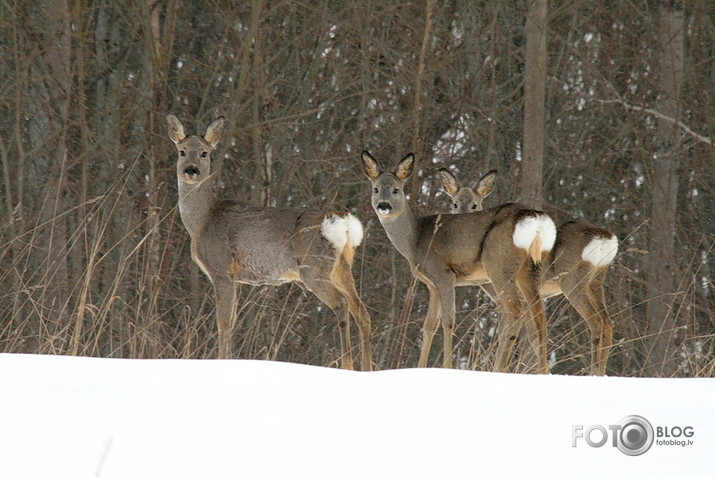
448	321
225	315
430	327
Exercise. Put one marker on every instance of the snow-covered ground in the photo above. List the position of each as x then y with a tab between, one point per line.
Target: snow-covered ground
62	416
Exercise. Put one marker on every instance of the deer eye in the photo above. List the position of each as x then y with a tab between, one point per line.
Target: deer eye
474	206
375	190
182	153
454	206
204	154
395	191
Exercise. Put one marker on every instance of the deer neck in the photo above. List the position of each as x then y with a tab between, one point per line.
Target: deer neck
195	203
402	232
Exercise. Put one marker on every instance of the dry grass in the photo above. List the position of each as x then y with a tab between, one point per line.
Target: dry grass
123	303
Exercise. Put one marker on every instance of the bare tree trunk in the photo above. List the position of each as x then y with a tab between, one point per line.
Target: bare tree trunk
53	81
158	43
17	217
108	37
534	98
661	260
417	146
262	144
81	258
237	101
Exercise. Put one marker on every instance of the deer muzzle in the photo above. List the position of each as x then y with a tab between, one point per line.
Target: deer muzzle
383	208
191	172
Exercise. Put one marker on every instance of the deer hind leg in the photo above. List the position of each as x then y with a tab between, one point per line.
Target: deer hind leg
323	288
225	292
518	297
346	351
528	282
342	279
585	293
430	327
511	324
491	292
602	332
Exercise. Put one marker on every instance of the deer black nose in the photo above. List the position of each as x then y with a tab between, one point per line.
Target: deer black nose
384	207
191	171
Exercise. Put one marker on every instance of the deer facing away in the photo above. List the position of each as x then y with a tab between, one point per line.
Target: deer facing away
500	246
266	245
576	268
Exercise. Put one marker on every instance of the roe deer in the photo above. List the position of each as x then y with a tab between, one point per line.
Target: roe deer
266	245
503	245
576	268
466	199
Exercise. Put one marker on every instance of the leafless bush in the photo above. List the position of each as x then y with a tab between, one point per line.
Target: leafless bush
95	262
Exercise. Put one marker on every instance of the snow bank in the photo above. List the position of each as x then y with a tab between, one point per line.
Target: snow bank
62	416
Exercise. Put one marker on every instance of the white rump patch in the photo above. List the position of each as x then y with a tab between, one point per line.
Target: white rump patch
341	230
600	251
528	228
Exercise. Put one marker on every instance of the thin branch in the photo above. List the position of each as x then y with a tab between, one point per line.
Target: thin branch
659	115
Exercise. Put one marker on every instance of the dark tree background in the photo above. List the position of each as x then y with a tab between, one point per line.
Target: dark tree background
93	257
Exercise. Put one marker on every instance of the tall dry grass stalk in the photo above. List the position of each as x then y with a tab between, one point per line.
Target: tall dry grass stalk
118	307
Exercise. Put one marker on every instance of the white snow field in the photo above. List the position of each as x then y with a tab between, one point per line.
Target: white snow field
63	416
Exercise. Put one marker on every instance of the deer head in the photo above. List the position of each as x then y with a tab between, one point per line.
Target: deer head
388	193
194	164
466	199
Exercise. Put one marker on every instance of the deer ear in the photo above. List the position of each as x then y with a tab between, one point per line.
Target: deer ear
486	183
405	166
372	168
177	133
214	132
449	182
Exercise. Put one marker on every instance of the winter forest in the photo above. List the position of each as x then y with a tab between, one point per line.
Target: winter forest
599	111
